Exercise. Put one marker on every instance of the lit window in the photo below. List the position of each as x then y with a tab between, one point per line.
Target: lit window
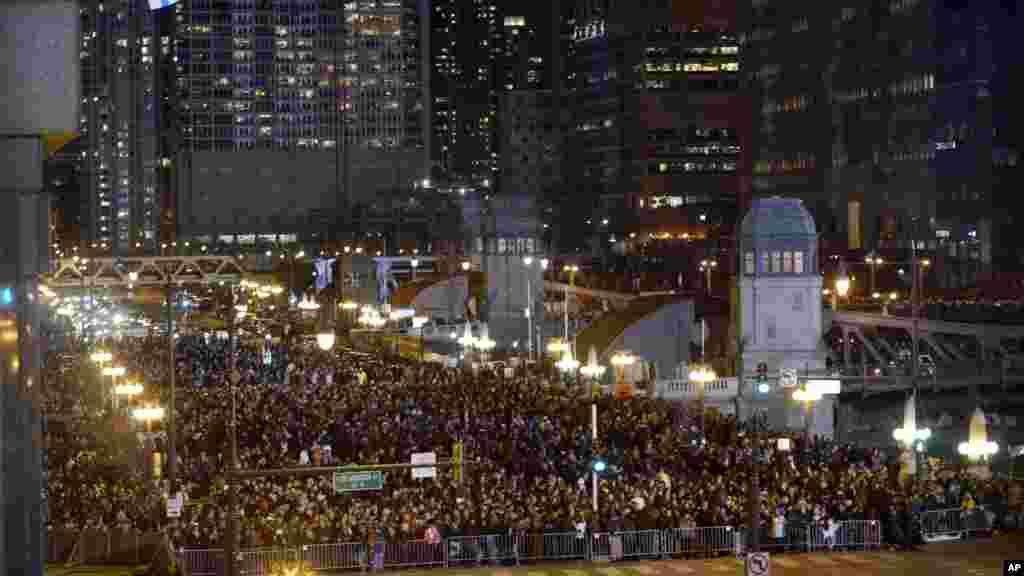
776	262
798	262
787	262
748	263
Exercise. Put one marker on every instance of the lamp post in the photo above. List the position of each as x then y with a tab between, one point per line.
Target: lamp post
527	262
807	396
114	372
572	270
417	323
842	287
706	266
978	447
415	263
484	344
873	261
620	361
912	438
593	371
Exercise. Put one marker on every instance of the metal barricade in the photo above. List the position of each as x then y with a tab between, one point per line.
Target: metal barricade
641	544
705	542
413	553
259	562
939	525
202	562
339	556
859	535
552	546
496	548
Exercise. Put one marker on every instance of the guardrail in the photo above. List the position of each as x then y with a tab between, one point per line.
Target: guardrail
516	549
953	523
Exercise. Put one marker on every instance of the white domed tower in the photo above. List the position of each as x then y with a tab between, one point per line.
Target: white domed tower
780	299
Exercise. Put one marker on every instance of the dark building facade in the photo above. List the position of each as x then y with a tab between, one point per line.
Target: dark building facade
655	164
891	121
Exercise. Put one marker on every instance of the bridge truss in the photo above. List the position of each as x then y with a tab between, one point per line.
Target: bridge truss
143	271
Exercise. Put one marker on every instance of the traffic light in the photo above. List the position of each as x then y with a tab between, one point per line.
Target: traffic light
762	378
457	462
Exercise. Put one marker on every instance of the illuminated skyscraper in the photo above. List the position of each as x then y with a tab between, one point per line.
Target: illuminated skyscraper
120	150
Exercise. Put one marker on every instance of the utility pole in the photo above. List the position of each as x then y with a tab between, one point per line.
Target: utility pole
231	534
172	448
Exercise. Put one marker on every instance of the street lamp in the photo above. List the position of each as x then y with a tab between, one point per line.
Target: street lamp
706	266
874	262
325	339
484	343
417	323
567	365
978	446
842	287
465	265
808	396
129	389
101	357
620	361
415	263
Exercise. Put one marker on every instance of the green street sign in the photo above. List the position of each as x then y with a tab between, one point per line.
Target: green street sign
225	278
358	481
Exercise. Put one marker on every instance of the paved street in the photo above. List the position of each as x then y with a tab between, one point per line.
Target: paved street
979	558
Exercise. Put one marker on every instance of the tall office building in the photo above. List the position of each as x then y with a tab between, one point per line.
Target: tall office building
465	46
329	101
890	120
656	161
120	151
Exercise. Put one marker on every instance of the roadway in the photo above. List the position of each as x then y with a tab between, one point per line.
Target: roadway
974	558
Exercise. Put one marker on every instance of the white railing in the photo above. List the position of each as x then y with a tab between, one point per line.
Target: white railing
678	389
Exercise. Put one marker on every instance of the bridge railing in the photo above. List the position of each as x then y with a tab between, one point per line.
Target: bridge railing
683	389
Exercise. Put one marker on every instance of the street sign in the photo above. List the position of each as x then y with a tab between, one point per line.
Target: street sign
174	505
357	481
424	458
225	278
787	378
758	564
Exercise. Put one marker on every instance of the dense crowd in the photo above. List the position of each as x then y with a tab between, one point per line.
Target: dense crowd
529	439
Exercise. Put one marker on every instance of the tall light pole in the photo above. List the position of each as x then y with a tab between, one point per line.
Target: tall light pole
572	270
706	266
527	262
873	261
842	287
593	371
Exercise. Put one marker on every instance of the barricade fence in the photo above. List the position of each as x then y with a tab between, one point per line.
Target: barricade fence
514	549
954	523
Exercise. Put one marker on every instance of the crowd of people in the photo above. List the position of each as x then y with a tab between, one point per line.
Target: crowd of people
526	440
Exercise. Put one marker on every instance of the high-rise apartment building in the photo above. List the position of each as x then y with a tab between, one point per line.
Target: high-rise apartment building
120	156
289	74
656	159
294	112
466	43
885	118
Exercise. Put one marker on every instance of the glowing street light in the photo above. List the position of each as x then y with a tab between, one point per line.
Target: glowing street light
325	339
101	357
978	446
568	364
129	389
465	265
148	414
114	371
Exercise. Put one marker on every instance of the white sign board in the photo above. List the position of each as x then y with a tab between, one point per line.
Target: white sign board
758	564
787	378
832	386
424	458
175	504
